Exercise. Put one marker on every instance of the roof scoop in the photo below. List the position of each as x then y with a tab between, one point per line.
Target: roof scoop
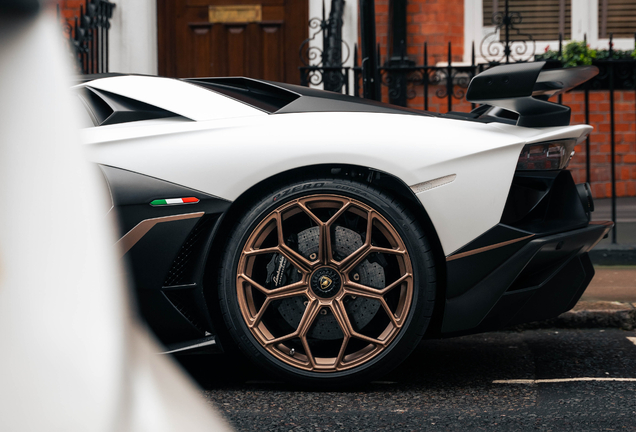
525	88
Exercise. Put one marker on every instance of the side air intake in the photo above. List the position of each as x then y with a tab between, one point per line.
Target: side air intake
106	108
525	89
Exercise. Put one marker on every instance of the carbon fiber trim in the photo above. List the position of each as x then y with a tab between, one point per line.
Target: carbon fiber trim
125	243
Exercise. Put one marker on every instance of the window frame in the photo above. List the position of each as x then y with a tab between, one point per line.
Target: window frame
598	2
584	22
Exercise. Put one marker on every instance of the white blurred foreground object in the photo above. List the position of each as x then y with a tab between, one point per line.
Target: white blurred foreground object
73	356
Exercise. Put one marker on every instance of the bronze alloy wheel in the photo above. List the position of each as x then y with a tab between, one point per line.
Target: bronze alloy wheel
327	282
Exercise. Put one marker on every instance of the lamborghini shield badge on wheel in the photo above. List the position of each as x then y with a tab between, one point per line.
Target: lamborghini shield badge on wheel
325	235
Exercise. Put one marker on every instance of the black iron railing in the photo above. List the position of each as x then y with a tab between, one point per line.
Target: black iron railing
514	47
324	66
88	36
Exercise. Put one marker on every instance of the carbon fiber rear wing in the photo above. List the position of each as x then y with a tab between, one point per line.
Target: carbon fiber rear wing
525	89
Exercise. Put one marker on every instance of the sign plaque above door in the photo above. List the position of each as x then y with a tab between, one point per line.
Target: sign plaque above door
235	14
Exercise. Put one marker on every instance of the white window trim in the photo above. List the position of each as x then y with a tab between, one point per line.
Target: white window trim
133	37
584	21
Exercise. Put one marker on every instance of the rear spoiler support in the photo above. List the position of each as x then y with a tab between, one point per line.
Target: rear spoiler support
525	89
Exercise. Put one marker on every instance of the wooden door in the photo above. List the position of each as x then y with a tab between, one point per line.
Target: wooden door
193	42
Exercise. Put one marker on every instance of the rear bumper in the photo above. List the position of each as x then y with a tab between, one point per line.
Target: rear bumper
533	265
541	280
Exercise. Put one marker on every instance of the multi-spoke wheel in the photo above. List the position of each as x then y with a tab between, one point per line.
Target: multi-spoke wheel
327	283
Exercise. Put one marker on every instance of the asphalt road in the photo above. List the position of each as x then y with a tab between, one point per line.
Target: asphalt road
451	385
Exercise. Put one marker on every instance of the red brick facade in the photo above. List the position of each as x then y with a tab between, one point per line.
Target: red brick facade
435	22
600	152
438	22
70	9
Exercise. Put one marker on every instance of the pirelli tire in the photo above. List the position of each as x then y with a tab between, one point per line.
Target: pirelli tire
327	282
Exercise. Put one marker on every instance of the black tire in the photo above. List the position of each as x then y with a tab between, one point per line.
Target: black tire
343	284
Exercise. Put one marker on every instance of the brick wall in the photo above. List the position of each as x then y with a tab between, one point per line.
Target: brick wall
600	157
70	9
436	22
382	26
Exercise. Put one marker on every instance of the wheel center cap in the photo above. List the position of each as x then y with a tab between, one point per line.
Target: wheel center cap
325	282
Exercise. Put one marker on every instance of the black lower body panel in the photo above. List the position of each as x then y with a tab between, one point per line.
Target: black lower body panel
167	265
542	279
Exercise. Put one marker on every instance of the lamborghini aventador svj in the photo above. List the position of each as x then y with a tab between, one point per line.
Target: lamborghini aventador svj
326	235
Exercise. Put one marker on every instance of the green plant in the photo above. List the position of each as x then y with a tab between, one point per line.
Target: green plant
548	55
616	55
579	54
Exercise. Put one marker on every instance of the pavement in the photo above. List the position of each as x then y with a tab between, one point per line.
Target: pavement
610	299
623	251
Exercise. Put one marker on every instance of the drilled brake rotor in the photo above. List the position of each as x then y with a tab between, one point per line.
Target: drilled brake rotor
361	310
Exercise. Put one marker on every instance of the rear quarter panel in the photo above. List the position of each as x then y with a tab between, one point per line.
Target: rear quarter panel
226	157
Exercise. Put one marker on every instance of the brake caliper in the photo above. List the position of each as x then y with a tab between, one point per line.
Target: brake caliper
280	272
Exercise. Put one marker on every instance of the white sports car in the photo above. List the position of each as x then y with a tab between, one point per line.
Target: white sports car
325	235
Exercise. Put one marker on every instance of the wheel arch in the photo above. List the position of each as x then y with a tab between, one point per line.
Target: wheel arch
379	179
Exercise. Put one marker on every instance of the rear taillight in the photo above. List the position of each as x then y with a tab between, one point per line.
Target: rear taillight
551	155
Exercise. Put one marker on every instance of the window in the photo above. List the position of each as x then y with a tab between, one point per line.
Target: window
580	19
617	17
541	19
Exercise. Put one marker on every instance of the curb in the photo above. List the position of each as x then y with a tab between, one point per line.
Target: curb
620	254
590	314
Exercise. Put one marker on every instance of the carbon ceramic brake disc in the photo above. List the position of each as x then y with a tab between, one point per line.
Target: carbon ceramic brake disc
361	310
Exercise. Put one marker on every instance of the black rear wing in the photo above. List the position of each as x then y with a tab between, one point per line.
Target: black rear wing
524	88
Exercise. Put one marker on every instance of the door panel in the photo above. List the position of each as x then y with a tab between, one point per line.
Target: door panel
237	50
274	66
200	43
191	46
